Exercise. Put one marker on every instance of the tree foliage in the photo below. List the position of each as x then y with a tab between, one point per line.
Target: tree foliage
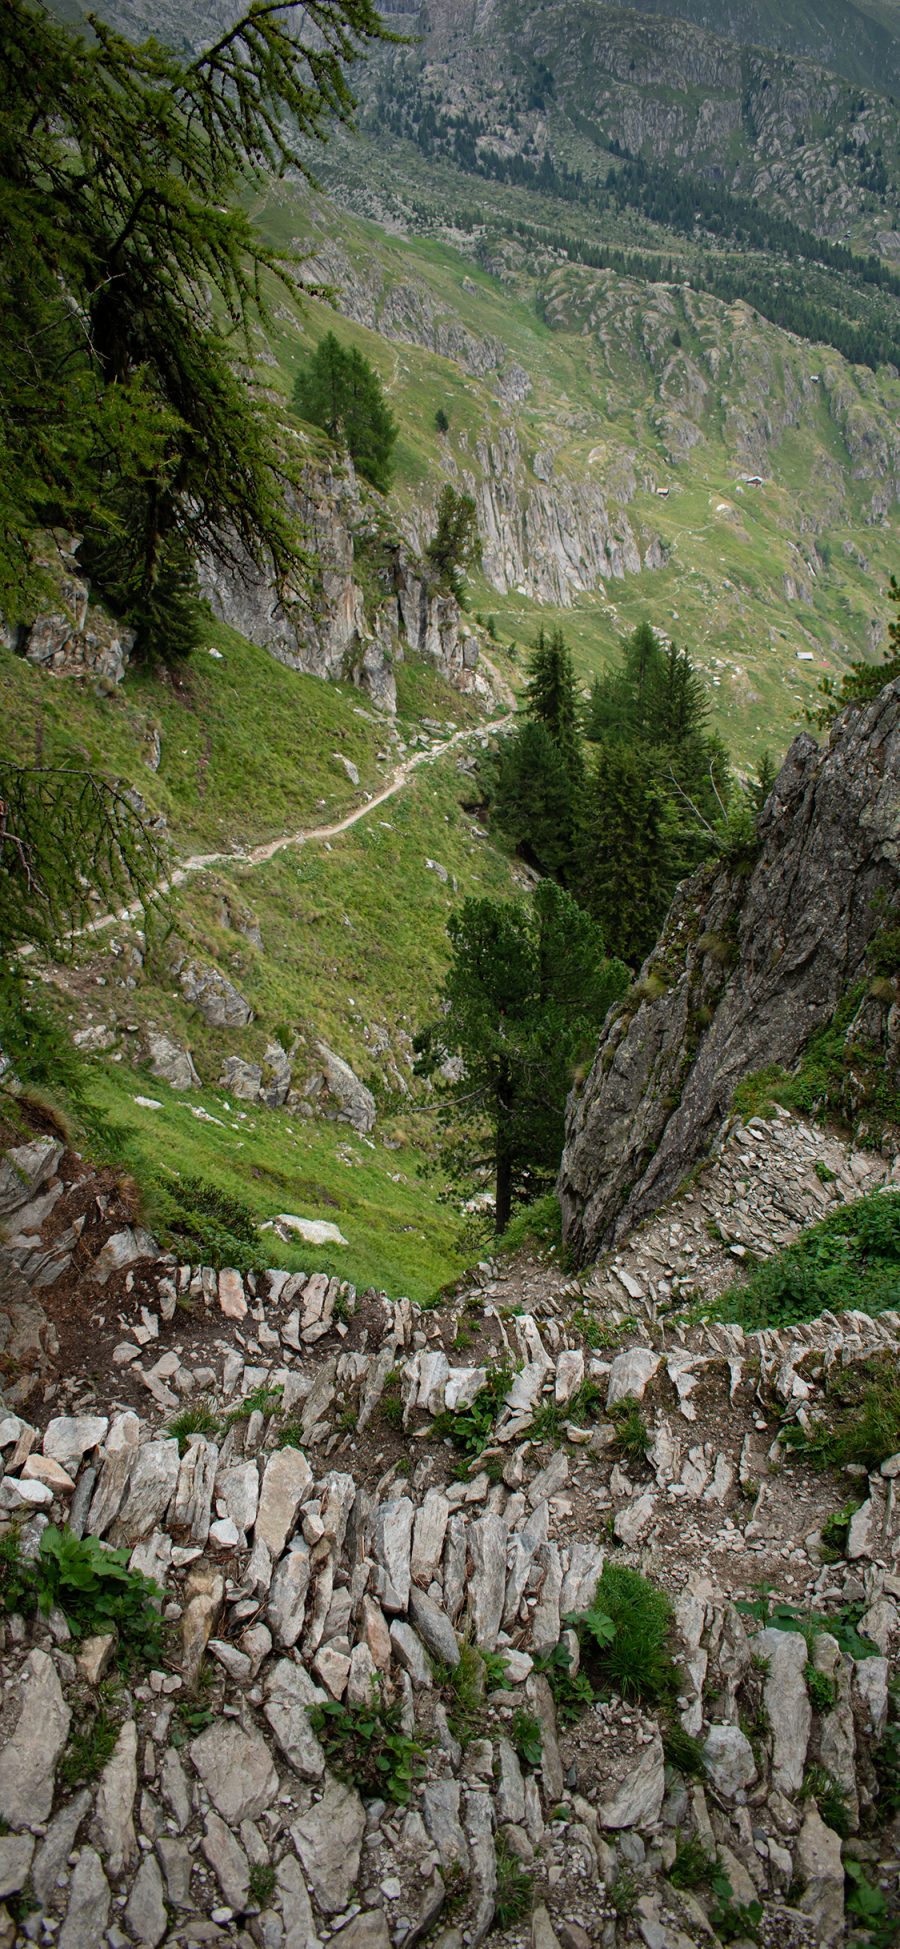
132	286
68	838
863	681
526	992
341	392
621	828
455	545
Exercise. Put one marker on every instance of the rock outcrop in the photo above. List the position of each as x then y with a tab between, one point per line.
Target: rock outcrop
75	638
749	965
370	604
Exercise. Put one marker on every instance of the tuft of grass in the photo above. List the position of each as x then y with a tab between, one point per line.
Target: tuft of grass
90	1744
198	1420
390	1406
515	1888
623	1894
821	1786
261	1400
261	1883
692	1865
681	1749
633	1437
822	1689
637	1661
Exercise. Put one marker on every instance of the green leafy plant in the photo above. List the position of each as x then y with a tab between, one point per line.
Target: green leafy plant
835	1531
572	1690
96	1592
731	1918
366	1745
840	1624
191	1717
527	1737
470	1429
868	1905
515	1887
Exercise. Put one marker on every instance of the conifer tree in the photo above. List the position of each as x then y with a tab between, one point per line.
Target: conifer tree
341	392
552	698
132	282
455	545
627	850
527	989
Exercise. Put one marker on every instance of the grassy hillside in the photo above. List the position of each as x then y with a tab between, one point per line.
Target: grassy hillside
630	388
351	944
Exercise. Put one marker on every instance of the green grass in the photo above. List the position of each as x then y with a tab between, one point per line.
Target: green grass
850	1259
515	1887
860	1428
596	402
223	726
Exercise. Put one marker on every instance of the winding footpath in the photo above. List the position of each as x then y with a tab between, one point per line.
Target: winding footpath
307	835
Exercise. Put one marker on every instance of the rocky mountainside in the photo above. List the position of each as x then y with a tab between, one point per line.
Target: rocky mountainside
567	80
370	601
757	953
273	1451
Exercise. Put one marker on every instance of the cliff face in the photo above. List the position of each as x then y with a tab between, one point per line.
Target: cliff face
369	602
748	967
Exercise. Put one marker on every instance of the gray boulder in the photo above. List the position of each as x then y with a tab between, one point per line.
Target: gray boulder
241	1079
355	1103
171	1064
215	996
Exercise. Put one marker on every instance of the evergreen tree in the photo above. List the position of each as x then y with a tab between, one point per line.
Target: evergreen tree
455	545
527	989
532	800
627	850
131	280
341	392
864	681
552	698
